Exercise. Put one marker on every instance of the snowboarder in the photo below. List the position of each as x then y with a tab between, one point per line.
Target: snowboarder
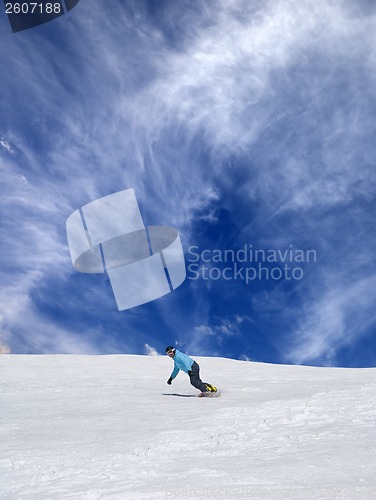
188	365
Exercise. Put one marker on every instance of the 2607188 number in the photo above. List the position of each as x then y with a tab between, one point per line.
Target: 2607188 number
32	7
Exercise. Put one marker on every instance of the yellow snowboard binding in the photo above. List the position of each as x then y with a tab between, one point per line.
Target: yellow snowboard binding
211	392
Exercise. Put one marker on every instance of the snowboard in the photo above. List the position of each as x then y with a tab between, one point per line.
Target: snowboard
209	394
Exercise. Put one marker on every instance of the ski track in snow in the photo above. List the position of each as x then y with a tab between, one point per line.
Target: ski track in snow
108	427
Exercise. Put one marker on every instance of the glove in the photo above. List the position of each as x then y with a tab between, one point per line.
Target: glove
169	381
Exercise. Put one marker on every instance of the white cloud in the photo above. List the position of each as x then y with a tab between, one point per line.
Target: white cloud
244	357
4	348
217	83
150	351
204	330
223	326
6	145
340	317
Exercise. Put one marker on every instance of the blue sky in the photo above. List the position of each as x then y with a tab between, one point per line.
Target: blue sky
251	123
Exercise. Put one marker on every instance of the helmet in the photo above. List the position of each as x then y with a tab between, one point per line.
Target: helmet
170	348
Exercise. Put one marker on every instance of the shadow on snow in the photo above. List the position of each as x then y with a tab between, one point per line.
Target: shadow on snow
179	395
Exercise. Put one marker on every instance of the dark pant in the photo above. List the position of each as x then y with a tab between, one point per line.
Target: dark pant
194	375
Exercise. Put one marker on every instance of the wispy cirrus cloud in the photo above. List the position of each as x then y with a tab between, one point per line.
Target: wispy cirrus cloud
342	316
150	351
5	144
206	336
171	106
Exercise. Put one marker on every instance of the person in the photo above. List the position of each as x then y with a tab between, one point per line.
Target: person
187	365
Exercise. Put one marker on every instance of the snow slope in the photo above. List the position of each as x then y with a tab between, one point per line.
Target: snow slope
109	427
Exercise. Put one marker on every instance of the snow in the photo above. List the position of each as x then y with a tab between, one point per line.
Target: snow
109	427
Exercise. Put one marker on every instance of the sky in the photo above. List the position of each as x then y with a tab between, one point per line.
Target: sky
246	126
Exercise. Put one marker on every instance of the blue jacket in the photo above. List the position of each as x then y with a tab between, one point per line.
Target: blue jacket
181	362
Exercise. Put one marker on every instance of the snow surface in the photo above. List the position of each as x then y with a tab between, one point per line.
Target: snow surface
109	427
